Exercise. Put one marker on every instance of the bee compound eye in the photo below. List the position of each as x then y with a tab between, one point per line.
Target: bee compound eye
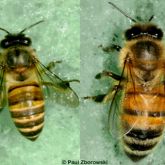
26	41
4	43
155	32
133	32
159	34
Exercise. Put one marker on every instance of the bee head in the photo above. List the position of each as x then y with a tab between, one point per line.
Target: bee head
140	30
18	38
15	39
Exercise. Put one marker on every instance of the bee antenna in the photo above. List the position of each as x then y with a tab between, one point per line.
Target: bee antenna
150	19
31	26
122	12
5	30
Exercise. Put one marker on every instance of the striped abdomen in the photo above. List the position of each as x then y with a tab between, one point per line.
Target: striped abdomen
143	120
27	109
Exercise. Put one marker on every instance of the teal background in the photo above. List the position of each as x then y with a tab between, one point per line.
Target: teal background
59	38
55	39
99	23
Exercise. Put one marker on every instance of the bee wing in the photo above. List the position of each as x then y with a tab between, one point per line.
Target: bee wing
2	87
114	113
116	106
56	89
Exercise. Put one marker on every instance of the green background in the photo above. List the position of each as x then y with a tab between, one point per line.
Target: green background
58	38
55	39
99	23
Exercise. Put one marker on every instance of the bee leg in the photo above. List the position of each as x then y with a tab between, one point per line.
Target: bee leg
150	19
111	93
52	64
110	48
98	98
109	74
63	84
73	80
104	98
66	83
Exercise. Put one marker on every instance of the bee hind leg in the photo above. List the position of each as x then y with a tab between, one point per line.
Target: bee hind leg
104	98
98	98
109	74
52	64
66	83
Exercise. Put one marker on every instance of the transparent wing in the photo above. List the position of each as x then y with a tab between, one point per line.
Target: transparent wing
115	112
54	88
2	87
116	106
135	103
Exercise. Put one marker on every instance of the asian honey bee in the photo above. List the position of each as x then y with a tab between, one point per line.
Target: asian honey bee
137	106
25	82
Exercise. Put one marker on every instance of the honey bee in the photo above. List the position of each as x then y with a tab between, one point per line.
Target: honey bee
137	108
25	83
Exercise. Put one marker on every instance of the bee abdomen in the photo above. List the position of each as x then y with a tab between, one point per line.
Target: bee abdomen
139	143
27	109
142	133
142	121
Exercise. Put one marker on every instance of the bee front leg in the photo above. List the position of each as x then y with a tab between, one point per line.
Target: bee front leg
52	64
110	48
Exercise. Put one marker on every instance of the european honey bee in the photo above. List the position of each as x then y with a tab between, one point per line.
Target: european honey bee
137	106
26	83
